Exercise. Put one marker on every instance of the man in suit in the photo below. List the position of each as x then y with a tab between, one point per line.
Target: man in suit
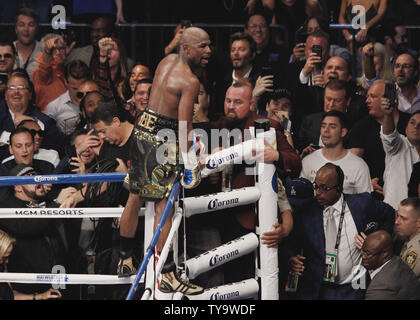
312	235
242	54
309	99
17	106
392	279
336	97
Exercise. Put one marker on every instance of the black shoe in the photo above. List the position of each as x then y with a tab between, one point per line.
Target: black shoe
172	282
126	267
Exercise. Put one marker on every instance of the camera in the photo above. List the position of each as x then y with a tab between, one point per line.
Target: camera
4	77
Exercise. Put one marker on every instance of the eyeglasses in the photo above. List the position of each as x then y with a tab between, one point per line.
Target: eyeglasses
81	94
255	26
404	66
323	187
6	56
13	88
59	48
369	255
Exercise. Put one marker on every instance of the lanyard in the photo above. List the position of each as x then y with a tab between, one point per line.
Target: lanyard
340	226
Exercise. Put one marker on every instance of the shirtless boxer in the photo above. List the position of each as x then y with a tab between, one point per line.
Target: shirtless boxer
175	89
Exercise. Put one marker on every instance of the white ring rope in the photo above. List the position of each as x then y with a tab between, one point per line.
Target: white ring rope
63	212
193	205
59	278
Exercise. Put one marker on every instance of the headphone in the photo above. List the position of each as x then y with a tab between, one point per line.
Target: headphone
340	175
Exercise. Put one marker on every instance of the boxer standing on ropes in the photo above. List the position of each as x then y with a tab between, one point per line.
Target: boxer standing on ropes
175	89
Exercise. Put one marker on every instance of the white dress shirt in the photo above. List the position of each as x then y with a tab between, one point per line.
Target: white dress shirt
65	112
406	106
348	254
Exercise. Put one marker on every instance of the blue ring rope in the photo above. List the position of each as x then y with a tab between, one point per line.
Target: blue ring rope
62	178
171	200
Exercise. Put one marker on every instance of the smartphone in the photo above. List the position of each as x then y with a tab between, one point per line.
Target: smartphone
317	49
391	94
269	71
185	24
300	35
266	71
4	77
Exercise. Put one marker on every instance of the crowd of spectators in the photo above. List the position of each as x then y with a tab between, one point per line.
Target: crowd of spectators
345	106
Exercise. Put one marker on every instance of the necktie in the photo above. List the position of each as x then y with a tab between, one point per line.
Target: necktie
330	232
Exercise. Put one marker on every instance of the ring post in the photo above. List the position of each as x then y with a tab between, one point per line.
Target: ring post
169	204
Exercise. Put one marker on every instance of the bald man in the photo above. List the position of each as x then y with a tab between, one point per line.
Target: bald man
392	279
174	91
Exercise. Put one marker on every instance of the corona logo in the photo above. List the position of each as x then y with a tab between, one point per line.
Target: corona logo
213	204
42	179
218	259
225	296
214	163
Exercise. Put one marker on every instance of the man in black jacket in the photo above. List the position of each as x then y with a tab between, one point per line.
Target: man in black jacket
40	243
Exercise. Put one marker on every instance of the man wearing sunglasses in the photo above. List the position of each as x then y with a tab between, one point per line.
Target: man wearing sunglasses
326	231
7	60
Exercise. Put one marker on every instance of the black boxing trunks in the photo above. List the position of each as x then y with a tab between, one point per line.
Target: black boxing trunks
154	156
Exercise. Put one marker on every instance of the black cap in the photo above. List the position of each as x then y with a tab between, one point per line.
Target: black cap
280	93
21	169
262	124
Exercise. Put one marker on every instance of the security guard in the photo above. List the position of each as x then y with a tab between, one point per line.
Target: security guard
410	254
407	225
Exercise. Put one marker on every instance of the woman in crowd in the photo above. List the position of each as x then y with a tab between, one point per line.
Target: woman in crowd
112	72
381	68
374	10
6	289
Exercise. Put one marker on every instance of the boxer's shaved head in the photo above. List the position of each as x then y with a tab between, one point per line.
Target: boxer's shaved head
193	35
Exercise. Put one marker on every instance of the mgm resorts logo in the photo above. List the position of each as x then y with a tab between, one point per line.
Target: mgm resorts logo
213	204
